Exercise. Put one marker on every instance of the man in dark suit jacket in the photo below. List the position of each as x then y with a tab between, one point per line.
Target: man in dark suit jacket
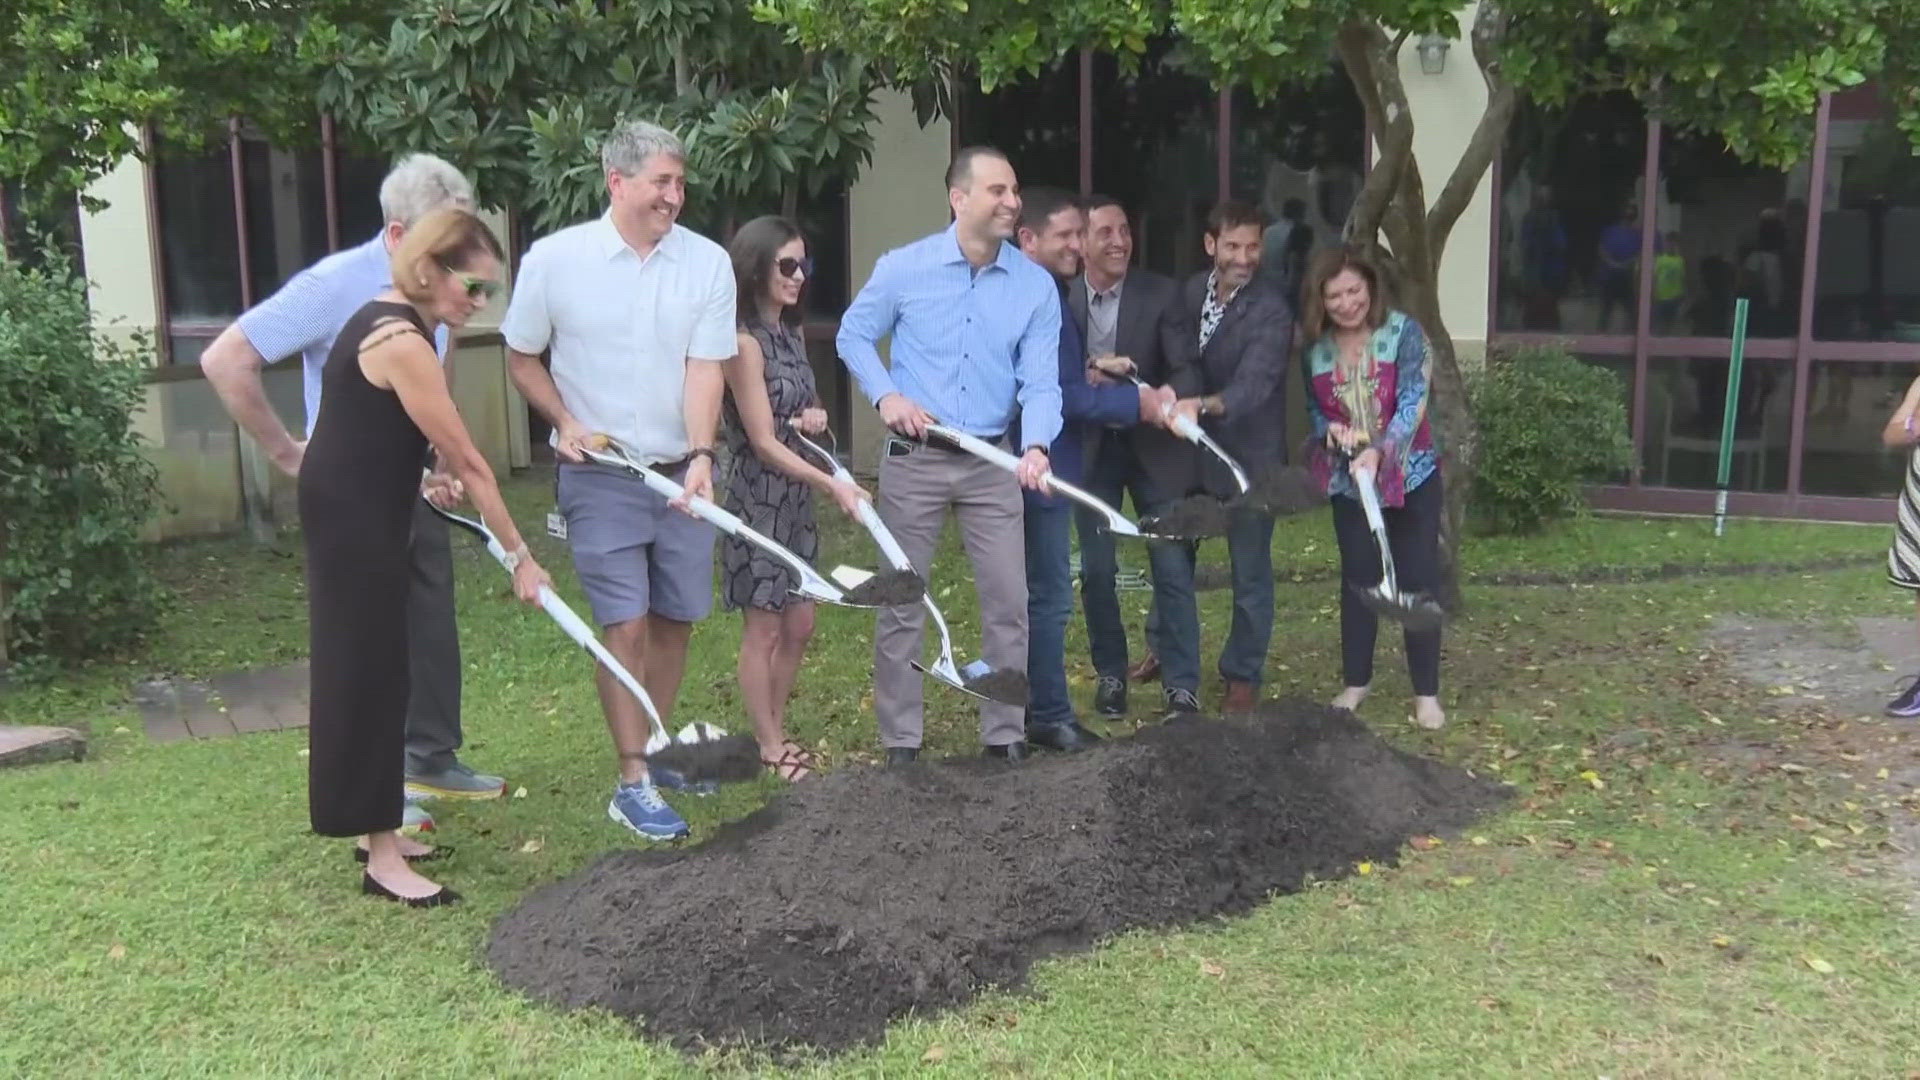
1230	370
1130	313
1052	229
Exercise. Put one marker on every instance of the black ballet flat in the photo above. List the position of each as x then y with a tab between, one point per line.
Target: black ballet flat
360	855
445	897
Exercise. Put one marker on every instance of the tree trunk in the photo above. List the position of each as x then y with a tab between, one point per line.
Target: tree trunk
1452	418
790	199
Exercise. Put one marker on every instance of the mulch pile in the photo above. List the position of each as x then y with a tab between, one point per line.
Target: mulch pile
1005	685
866	894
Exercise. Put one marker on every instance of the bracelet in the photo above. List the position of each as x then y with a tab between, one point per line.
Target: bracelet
705	452
514	558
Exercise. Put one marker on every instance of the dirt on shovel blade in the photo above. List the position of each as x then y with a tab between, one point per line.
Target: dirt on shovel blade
1192	518
864	895
731	759
1002	685
893	588
1285	489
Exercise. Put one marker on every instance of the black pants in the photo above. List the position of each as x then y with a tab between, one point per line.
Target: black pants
1413	533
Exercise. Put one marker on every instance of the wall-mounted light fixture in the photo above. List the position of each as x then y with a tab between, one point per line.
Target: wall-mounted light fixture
1433	53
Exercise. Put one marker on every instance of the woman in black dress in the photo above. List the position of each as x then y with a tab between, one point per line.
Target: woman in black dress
386	400
769	388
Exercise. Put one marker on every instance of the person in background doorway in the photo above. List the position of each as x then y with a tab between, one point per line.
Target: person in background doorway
770	391
1230	372
303	319
1367	370
1669	285
1619	254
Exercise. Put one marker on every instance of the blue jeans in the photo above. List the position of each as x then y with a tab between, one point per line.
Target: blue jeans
1250	546
1116	473
1049	605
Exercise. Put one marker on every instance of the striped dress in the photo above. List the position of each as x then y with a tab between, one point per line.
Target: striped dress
1903	558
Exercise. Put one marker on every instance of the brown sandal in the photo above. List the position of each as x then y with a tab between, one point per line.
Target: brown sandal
793	759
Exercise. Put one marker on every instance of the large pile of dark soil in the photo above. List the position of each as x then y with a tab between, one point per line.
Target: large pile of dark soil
863	895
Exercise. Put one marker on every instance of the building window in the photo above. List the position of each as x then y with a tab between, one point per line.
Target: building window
1035	122
199	246
1569	210
1155	148
1867	282
29	227
1725	230
1301	157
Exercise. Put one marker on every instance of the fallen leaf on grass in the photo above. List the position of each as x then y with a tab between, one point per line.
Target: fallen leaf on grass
1721	941
531	847
1489	1002
1424	843
1208	967
519	793
1822	843
1593	778
1478	841
1459	882
1790	767
935	1054
1364	868
1818	965
118	952
304	751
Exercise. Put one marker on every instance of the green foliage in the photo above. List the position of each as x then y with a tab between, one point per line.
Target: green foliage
519	94
75	485
1549	422
79	77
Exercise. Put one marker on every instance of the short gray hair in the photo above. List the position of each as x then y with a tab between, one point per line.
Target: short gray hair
418	185
629	145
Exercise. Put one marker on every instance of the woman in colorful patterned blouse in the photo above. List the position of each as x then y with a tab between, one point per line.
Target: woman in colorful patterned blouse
1367	368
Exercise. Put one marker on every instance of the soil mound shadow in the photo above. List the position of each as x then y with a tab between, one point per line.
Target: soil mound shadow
864	895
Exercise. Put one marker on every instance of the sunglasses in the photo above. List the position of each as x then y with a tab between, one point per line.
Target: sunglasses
477	288
789	267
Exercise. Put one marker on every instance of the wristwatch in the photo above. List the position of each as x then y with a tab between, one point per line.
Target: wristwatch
512	559
1042	449
705	452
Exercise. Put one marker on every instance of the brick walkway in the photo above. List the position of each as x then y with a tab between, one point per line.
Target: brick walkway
236	703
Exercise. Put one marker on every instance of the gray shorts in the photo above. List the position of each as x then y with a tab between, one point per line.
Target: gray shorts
634	553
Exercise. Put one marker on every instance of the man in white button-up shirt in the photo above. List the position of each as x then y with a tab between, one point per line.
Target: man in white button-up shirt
639	315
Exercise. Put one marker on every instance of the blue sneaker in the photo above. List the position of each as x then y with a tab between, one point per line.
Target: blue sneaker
675	780
1908	703
639	807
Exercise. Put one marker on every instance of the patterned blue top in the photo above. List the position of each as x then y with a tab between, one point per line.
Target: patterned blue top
306	314
972	348
1388	399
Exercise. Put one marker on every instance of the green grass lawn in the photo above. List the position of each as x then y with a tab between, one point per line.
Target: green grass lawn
1639	911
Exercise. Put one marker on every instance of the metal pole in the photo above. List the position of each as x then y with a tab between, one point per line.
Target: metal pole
1734	364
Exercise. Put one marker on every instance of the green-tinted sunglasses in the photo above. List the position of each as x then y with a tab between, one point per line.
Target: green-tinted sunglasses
478	288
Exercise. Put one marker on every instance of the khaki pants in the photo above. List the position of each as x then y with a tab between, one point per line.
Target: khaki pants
915	491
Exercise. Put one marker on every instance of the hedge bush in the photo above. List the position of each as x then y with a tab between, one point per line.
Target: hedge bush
1549	424
75	484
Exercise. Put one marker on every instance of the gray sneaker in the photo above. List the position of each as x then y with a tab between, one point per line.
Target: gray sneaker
1181	704
415	820
456	781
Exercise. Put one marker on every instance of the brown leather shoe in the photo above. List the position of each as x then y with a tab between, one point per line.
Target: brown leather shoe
1241	697
1146	670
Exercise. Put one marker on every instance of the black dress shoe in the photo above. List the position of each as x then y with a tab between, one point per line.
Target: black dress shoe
442	898
1016	751
1068	736
1110	696
360	855
902	755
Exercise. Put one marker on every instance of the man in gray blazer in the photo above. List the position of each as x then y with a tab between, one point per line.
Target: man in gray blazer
1130	313
1230	370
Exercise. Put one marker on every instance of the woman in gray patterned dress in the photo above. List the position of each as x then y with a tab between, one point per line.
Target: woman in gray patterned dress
1903	557
769	389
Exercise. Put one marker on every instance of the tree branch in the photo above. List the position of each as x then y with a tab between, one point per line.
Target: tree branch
1362	45
1489	30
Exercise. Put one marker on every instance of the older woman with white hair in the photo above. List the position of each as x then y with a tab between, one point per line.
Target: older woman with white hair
302	319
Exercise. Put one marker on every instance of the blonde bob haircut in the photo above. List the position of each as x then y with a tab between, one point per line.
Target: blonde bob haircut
446	239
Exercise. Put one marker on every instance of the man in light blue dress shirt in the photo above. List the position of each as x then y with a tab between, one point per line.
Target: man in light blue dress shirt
302	319
975	328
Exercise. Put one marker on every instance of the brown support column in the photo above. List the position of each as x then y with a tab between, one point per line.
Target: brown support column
1809	261
1643	308
151	187
240	211
1086	122
1224	137
330	180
